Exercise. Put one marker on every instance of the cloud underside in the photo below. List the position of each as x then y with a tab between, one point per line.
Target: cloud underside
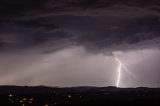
118	26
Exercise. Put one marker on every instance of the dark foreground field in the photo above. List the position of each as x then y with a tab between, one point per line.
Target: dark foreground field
78	96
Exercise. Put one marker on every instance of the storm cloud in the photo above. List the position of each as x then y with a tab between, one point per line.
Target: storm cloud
72	42
96	24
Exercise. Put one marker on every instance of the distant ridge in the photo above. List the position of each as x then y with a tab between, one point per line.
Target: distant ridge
46	89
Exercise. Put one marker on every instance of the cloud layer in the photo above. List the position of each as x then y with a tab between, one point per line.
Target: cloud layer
93	24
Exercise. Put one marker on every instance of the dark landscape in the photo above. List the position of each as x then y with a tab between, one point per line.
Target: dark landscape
78	96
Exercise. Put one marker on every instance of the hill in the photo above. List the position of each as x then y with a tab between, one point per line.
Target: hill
79	96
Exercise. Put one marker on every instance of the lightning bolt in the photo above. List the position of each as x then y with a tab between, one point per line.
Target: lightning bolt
119	70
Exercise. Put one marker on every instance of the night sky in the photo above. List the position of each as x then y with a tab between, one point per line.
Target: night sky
73	42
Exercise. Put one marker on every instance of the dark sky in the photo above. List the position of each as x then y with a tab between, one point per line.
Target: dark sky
73	42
